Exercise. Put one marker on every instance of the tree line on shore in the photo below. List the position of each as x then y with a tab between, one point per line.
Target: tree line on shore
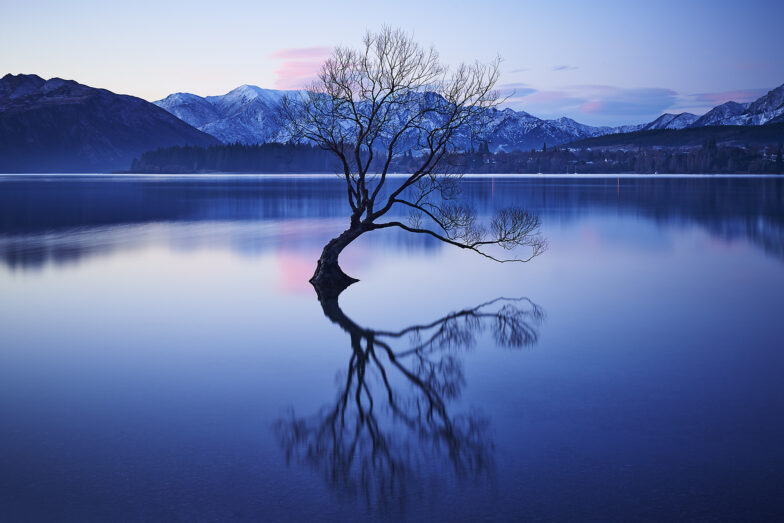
709	158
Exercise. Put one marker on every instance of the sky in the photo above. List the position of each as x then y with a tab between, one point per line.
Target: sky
600	62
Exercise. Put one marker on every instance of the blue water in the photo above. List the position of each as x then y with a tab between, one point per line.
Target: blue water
163	357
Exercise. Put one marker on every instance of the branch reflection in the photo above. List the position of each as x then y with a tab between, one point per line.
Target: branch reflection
390	431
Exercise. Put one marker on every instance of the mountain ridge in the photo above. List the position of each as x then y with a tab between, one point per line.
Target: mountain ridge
61	125
247	115
769	134
239	116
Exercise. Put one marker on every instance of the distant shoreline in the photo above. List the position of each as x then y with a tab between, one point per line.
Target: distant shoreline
129	175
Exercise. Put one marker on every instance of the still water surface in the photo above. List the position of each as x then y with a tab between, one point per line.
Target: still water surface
163	357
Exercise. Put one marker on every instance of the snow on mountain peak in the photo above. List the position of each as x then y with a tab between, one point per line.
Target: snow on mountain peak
248	114
671	121
766	108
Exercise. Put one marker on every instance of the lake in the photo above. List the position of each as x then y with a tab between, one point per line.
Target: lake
164	358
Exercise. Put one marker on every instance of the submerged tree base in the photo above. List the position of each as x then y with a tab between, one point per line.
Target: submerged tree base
329	280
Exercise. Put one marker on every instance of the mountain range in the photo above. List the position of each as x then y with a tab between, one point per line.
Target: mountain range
62	126
247	115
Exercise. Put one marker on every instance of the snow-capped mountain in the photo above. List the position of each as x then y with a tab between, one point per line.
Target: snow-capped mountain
724	114
627	128
768	108
670	121
579	129
248	114
193	109
509	129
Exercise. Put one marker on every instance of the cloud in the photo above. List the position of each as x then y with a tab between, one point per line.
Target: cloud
637	102
592	107
597	104
741	95
513	85
515	90
565	68
519	70
301	65
700	103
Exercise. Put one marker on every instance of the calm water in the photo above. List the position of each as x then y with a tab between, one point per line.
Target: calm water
163	358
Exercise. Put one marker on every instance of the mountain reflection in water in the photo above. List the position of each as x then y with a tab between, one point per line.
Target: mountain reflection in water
45	220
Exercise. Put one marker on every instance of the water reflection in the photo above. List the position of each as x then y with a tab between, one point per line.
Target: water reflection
391	425
56	220
142	370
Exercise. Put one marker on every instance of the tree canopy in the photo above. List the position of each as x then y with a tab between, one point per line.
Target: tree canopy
386	98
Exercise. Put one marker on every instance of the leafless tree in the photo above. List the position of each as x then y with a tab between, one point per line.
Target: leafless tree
373	104
391	418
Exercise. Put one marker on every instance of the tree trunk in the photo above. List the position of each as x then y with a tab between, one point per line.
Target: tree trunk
329	280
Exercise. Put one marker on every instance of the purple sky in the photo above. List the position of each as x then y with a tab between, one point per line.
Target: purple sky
603	62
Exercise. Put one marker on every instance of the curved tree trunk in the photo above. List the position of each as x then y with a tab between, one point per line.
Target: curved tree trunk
329	280
335	314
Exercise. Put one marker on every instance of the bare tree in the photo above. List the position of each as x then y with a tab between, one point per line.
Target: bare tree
391	96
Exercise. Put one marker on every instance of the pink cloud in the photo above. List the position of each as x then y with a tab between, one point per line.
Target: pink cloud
300	66
591	107
296	75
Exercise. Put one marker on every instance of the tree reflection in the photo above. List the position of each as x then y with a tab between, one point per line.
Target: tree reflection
389	431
